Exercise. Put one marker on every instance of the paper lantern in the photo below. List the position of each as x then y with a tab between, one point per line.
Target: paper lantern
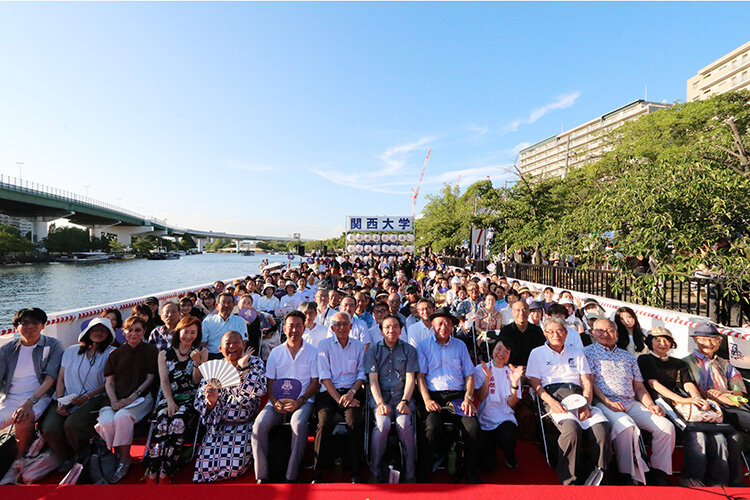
350	248
376	237
358	237
410	237
367	237
350	237
401	237
368	248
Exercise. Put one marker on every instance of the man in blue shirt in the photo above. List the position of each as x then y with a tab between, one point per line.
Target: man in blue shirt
216	325
446	383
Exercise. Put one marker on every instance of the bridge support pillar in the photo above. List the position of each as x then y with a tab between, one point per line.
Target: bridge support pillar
237	245
40	228
124	234
199	242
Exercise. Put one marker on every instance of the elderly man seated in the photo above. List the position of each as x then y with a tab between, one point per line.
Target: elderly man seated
624	400
557	372
446	383
341	363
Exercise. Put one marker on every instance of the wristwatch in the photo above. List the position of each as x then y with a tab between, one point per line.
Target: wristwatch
470	398
138	393
34	400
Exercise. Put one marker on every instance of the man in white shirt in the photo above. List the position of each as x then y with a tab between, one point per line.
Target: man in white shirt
341	364
421	329
557	372
379	311
305	293
294	359
325	312
314	332
359	330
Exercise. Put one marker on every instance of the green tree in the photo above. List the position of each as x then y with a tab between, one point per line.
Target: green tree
11	241
67	239
187	242
674	186
142	246
115	246
446	220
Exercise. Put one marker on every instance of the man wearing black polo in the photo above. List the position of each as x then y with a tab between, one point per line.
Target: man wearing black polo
525	336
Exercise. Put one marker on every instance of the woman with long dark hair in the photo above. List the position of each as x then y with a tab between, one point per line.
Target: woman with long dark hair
629	333
175	413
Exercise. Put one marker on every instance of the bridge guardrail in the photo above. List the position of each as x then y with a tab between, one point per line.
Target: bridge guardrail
22	185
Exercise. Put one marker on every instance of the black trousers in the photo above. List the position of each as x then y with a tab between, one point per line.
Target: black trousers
505	437
434	432
327	409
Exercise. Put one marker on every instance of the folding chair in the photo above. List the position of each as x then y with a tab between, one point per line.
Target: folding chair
152	425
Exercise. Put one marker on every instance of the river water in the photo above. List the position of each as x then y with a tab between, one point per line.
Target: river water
59	286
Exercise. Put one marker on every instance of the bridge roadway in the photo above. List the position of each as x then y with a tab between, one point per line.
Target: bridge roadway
43	204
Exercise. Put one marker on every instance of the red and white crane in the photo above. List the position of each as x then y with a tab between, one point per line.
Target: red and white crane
415	192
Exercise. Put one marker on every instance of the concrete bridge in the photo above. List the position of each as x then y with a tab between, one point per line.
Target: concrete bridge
43	204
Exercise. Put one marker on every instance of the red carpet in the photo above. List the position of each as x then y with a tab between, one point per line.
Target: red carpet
533	480
365	492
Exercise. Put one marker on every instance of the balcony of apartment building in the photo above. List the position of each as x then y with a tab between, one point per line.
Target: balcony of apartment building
724	76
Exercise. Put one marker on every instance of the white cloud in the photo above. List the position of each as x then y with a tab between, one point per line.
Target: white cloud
395	160
561	102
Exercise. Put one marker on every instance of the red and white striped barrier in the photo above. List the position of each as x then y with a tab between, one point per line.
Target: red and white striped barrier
65	325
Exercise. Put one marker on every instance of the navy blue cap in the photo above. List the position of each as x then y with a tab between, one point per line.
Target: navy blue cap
705	330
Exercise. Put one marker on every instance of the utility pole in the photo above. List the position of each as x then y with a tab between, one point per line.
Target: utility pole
20	164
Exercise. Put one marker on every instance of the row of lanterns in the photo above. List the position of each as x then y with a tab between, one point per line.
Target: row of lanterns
377	237
367	248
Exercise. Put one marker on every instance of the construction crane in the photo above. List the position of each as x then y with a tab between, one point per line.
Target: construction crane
415	192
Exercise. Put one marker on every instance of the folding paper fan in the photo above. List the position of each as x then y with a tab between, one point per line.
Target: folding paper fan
219	373
286	390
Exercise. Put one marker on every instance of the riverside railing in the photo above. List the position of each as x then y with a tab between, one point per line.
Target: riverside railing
692	295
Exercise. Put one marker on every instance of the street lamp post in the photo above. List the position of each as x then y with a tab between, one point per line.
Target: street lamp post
20	165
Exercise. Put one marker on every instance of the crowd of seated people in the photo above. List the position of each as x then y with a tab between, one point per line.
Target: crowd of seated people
375	345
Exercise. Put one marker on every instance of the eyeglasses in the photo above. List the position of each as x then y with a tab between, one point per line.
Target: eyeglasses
604	330
335	324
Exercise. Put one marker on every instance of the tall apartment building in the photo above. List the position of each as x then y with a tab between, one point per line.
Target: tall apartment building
729	72
22	224
554	156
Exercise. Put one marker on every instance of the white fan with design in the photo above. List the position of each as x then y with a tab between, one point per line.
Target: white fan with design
219	373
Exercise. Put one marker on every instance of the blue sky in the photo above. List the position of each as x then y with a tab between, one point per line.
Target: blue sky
262	118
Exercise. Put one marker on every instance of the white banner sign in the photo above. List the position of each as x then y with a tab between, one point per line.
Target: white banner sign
739	352
369	223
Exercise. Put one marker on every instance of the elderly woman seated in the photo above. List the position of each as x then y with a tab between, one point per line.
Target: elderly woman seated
711	457
68	425
229	414
129	373
28	369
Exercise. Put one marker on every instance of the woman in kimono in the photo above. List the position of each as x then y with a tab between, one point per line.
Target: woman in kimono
228	414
